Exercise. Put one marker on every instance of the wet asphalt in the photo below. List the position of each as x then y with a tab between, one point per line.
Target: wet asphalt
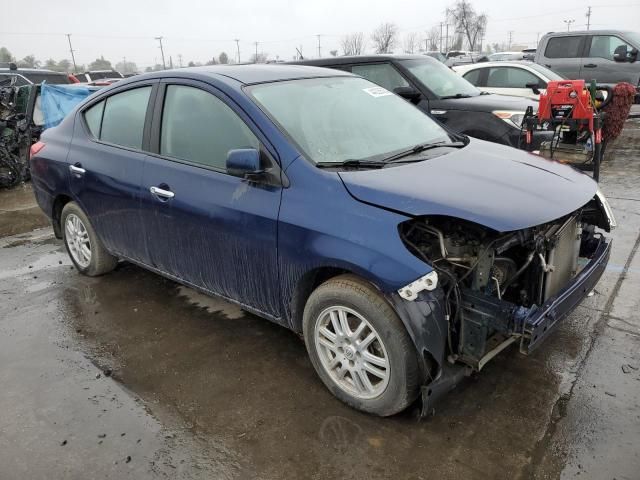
133	376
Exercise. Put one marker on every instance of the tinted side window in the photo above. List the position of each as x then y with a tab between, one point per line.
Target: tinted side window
508	77
200	128
564	47
384	74
123	118
604	46
473	76
93	117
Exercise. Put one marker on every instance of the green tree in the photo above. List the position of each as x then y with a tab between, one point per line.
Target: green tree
64	65
5	55
29	62
51	64
223	58
100	64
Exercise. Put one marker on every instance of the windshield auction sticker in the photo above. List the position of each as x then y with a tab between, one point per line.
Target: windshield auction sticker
377	91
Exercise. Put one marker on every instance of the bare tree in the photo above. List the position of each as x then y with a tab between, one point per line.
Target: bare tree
259	58
352	44
433	39
468	23
411	43
385	37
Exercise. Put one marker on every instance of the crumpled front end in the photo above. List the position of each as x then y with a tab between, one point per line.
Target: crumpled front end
501	288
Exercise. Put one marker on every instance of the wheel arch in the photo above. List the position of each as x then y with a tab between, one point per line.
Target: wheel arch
56	212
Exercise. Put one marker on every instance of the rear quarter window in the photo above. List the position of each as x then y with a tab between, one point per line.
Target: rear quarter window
473	76
564	47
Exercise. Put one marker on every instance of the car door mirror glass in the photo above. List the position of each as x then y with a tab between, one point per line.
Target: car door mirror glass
620	54
408	93
244	162
535	87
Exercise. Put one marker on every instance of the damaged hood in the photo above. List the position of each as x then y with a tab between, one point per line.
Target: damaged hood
493	185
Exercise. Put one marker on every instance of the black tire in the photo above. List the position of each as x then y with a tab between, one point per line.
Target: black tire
101	261
357	295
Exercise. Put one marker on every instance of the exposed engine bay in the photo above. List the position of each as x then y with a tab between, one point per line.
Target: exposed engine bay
494	282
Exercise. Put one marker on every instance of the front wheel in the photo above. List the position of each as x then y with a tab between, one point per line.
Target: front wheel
83	245
359	347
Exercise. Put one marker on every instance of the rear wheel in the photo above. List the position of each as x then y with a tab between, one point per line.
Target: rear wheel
359	347
85	249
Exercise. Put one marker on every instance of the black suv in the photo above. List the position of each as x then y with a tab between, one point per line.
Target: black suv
30	76
442	93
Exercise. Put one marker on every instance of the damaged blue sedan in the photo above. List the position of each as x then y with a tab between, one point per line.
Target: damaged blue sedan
405	255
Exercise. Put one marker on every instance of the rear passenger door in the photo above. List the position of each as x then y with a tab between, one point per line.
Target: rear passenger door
203	226
563	55
106	162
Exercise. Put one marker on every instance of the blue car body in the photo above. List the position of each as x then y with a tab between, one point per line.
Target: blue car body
265	246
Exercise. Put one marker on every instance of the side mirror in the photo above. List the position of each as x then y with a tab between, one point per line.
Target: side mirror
633	55
620	54
408	93
244	162
534	86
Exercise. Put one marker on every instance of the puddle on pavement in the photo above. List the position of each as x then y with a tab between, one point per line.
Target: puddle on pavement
247	383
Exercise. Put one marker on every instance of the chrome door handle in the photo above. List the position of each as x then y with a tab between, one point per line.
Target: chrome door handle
159	192
77	170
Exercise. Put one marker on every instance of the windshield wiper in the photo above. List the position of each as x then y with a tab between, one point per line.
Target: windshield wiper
457	95
351	164
422	148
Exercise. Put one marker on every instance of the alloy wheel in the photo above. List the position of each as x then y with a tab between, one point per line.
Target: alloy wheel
352	352
78	241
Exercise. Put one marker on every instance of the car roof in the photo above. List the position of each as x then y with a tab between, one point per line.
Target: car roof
503	63
31	70
359	59
585	32
245	74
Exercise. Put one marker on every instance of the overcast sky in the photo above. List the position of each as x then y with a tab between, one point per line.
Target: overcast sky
198	29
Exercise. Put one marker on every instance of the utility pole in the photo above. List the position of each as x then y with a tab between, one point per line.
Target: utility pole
255	59
537	39
124	65
319	53
170	62
510	39
441	25
73	57
180	60
164	65
588	17
237	40
446	38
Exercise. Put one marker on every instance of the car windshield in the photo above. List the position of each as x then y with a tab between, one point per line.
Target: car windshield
440	79
340	119
550	74
102	75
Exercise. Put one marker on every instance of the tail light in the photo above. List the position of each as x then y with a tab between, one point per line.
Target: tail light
35	148
73	79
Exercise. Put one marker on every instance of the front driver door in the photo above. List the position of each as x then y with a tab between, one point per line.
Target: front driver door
204	226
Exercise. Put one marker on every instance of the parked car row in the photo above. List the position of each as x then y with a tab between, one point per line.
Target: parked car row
404	253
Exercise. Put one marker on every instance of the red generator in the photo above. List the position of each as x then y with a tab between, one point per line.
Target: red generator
568	107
